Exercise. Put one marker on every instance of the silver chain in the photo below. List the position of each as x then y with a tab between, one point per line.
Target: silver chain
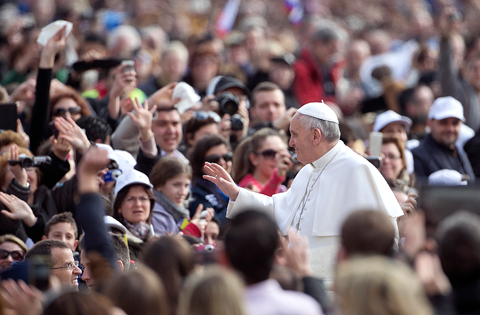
303	203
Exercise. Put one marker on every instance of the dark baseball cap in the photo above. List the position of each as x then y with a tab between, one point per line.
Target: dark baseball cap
230	82
287	59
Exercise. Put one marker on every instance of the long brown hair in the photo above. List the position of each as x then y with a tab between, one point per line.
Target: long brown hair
401	148
241	160
167	168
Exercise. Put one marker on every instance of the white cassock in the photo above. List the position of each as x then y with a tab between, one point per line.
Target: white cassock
321	197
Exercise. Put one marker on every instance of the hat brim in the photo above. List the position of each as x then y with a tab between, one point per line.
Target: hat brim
446	115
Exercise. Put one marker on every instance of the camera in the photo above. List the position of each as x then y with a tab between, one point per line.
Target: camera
237	122
27	161
228	103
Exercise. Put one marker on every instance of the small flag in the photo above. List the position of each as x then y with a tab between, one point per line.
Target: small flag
227	18
295	11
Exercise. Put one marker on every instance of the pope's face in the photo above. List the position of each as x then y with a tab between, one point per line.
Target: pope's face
301	140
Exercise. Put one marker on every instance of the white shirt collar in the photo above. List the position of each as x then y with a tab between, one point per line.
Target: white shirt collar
323	161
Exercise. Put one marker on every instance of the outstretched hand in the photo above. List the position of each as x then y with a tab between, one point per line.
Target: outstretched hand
219	176
200	222
142	118
71	132
54	45
21	297
19	209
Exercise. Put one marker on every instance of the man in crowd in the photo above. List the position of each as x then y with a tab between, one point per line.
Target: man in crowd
438	151
334	182
268	108
121	253
63	266
250	246
318	69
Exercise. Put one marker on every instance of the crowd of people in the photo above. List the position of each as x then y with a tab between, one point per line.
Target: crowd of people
162	164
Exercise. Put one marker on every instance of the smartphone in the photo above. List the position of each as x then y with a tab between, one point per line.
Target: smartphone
375	160
376	139
130	65
8	116
35	271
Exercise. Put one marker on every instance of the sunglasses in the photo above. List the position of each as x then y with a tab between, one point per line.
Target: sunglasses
62	111
16	254
268	154
202	115
214	158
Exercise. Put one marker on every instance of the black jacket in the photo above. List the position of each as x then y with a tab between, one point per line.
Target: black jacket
430	157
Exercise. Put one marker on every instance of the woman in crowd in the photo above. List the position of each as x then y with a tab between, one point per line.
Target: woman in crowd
171	179
137	292
133	207
214	149
172	260
261	162
216	292
67	102
394	163
12	249
377	285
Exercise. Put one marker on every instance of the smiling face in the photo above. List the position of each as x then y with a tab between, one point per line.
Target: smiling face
64	232
167	129
392	163
300	139
135	208
63	257
265	159
219	151
176	189
445	131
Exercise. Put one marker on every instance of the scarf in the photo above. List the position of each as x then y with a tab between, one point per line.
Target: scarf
140	230
178	213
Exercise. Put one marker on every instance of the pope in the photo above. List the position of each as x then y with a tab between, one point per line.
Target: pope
334	182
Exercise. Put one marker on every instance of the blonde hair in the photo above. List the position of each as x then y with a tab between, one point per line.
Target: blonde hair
216	292
379	286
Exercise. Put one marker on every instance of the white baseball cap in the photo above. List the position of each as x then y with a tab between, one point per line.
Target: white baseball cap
131	177
125	160
446	107
446	178
389	117
111	154
111	222
319	110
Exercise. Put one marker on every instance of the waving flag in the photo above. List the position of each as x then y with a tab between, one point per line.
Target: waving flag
227	18
295	11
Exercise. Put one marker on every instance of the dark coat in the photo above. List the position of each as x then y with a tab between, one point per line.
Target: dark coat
430	157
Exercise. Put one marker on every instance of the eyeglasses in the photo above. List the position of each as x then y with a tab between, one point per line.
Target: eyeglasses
69	266
63	111
134	199
16	254
391	157
214	158
268	154
202	115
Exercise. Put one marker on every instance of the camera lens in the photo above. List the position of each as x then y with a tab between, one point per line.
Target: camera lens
237	122
209	248
228	103
27	162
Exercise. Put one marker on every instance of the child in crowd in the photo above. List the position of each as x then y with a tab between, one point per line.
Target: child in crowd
62	227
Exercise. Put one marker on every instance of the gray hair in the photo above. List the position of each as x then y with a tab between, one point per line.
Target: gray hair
177	48
328	31
329	130
127	31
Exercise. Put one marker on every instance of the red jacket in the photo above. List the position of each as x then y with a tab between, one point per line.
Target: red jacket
308	84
